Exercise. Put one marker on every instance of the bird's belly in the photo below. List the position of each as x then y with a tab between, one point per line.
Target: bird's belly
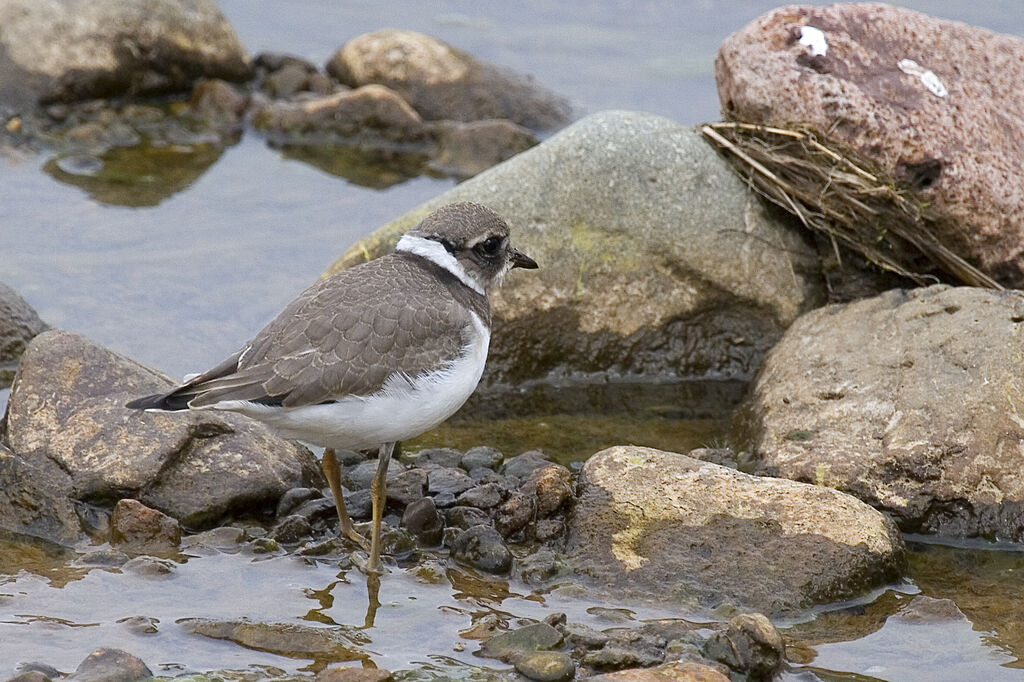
402	410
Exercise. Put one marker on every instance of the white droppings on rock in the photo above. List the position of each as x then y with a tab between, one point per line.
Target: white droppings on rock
927	76
814	38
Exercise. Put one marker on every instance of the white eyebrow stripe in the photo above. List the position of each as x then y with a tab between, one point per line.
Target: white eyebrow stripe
436	253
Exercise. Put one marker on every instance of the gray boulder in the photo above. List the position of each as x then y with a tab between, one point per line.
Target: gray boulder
655	258
909	401
34	500
659	526
70	50
19	324
441	82
67	407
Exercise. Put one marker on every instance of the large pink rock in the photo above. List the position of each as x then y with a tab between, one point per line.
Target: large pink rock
936	103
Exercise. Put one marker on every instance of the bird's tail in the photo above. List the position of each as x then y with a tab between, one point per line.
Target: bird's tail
161	401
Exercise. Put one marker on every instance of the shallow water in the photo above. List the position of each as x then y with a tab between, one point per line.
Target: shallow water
183	267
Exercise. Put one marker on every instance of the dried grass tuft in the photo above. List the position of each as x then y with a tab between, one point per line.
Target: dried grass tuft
839	194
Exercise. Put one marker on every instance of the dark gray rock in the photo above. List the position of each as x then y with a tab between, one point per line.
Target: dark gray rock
509	645
407	487
436	457
860	397
441	82
482	496
463	517
139	47
292	529
444	500
481	456
449	480
515	514
627	649
424	521
34	500
68	406
466	149
322	508
19	324
482	548
294	498
110	665
547	530
522	466
359	476
750	645
358	503
664	527
137	529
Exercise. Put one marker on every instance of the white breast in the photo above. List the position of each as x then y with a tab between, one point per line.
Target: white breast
403	409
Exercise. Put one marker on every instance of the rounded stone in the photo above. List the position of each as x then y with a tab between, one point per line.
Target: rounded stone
483	548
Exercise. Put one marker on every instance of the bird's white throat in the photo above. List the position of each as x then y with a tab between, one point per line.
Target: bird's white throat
435	252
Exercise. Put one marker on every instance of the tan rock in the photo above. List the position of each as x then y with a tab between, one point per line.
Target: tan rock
653	525
910	401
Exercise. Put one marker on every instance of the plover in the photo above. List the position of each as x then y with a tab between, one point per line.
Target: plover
372	355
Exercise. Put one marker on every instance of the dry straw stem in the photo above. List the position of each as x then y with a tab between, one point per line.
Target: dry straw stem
834	192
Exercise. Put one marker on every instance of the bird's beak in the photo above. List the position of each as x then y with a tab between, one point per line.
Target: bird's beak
521	260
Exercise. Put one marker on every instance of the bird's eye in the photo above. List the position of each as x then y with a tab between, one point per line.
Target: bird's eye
490	246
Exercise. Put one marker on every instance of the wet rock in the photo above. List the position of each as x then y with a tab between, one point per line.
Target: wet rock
360	476
407	487
218	102
339	643
852	398
140	625
522	466
482	496
466	149
142	47
552	486
627	649
149	567
669	672
33	676
224	537
353	674
449	480
444	500
111	665
662	526
294	498
515	514
67	405
359	504
483	548
545	666
138	529
925	609
437	457
547	530
323	508
749	645
368	115
509	645
933	117
291	529
441	82
42	668
584	636
538	568
481	456
424	521
34	500
19	324
104	558
466	517
668	266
